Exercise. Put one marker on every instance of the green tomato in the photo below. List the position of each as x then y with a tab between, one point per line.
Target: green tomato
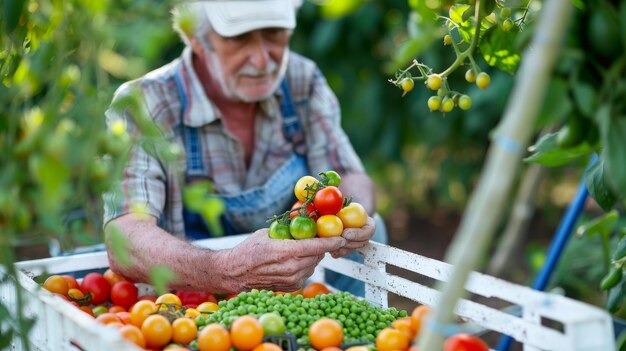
98	310
272	324
483	80
303	228
465	102
332	178
434	81
434	102
470	76
407	84
279	231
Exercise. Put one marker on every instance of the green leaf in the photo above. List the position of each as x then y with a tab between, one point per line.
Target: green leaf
616	297
585	98
333	9
602	225
4	311
547	152
119	246
160	277
457	13
5	338
11	12
498	50
597	187
557	105
614	154
487	6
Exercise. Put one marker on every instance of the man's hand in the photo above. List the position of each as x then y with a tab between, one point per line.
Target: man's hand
356	238
283	265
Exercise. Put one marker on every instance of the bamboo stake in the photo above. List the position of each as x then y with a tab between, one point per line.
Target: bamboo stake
509	142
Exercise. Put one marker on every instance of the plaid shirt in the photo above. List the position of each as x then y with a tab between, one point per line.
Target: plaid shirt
155	185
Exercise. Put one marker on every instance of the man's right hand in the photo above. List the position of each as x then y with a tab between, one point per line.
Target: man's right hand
281	265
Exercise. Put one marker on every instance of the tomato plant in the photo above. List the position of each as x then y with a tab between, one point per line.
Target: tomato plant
97	286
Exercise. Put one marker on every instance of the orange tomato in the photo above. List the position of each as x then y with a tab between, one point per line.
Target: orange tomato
107	318
133	334
112	277
214	337
246	333
268	346
87	310
331	348
418	317
207	307
168	301
404	325
185	330
71	282
124	317
115	309
56	284
329	226
314	289
325	332
191	313
157	330
140	311
391	339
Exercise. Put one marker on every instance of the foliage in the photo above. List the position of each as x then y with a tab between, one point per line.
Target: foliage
60	63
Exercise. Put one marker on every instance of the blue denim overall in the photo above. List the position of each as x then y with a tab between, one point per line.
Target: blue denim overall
248	211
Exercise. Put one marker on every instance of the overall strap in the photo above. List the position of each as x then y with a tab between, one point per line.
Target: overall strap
191	136
291	124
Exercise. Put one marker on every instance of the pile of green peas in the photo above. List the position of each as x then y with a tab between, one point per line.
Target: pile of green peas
360	320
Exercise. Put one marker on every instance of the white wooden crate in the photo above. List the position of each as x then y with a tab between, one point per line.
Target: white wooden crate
585	328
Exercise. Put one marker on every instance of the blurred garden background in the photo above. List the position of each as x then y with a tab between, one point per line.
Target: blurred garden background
61	61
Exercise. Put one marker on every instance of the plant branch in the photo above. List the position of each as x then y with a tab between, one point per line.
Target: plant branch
510	139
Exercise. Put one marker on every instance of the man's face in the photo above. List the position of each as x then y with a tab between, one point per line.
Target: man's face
248	67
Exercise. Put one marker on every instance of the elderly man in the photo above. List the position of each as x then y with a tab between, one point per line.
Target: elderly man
252	118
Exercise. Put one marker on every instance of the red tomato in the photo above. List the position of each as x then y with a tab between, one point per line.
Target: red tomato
124	293
99	287
194	297
310	210
465	342
328	201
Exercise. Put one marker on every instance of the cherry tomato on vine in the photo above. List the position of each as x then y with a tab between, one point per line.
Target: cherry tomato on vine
328	200
507	25
328	226
447	39
279	231
302	228
98	286
447	104
434	102
299	189
333	178
407	84
483	80
310	210
434	81
353	215
465	102
124	293
470	76
465	342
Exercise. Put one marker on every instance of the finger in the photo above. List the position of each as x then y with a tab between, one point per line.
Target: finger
316	246
361	234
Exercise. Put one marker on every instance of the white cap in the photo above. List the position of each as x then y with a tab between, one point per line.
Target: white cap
230	18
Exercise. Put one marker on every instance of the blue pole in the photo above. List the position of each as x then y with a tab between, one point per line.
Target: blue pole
558	244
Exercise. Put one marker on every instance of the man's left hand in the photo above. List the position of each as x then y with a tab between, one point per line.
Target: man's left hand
356	238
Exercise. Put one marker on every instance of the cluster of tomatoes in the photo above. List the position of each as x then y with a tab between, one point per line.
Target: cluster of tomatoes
321	210
403	333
